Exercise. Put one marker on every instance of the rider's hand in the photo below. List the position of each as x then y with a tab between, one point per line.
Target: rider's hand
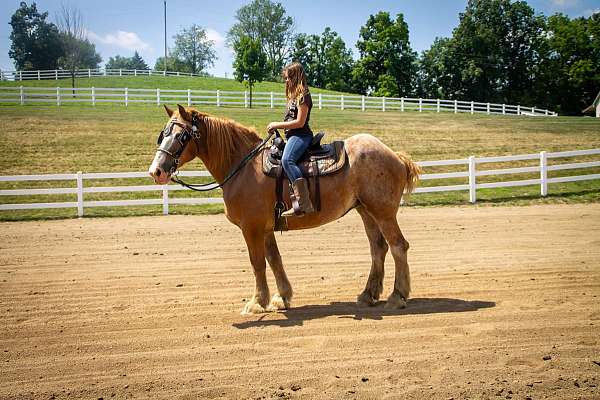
272	126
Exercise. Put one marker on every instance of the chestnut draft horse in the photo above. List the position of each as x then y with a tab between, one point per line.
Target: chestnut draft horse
372	182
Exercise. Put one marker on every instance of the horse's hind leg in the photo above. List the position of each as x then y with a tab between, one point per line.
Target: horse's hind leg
280	301
379	249
399	246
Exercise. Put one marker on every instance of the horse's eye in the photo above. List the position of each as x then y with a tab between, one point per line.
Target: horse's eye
160	137
185	137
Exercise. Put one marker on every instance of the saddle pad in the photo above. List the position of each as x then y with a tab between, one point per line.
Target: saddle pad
329	159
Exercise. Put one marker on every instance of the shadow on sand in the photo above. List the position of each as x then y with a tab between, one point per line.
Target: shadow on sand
297	315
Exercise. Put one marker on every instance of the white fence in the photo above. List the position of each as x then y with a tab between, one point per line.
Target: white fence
126	96
543	168
83	73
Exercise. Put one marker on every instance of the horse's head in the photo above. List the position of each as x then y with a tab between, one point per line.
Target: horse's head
177	143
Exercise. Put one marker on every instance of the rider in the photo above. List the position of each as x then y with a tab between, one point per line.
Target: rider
298	134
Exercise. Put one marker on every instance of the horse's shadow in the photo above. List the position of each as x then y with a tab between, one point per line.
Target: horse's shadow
297	315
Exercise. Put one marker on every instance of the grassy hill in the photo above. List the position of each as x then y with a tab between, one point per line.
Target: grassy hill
153	82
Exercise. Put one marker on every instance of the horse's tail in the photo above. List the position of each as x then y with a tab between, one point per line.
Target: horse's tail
412	172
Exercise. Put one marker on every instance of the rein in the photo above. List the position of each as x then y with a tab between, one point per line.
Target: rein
205	187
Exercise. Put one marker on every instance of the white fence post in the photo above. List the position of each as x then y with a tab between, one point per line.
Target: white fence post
189	97
79	194
420	104
488	108
438	105
533	110
362	103
402	104
472	107
472	181
158	97
93	96
165	199
89	72
518	109
503	109
20	75
455	106
383	104
218	98
126	97
39	77
342	101
55	74
120	72
58	96
135	72
320	101
544	173
272	100
245	99
22	95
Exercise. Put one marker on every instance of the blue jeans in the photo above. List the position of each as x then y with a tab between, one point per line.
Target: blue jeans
294	149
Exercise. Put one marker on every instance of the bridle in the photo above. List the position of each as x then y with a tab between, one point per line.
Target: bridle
184	137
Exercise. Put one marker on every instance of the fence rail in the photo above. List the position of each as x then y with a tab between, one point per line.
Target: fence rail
55	74
471	173
222	98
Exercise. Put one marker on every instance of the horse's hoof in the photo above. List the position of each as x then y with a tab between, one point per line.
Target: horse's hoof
366	300
252	308
278	303
395	302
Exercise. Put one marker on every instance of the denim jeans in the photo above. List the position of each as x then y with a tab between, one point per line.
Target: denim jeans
294	149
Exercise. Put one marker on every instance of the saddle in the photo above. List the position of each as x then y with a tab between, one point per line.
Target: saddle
317	161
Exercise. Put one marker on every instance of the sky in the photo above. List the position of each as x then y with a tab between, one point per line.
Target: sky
120	27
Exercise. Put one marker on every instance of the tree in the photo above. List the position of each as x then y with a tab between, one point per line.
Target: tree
326	60
173	65
268	23
35	42
387	63
250	62
120	62
194	49
78	52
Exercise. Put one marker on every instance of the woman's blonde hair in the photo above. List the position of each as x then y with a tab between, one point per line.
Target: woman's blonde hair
296	85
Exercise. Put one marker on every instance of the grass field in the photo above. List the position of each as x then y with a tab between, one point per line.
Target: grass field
153	82
35	139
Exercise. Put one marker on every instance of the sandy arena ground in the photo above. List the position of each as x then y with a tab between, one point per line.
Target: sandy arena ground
505	304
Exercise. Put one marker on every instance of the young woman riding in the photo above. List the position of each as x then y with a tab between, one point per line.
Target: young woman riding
298	134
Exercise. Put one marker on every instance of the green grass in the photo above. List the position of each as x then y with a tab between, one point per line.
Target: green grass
36	139
154	82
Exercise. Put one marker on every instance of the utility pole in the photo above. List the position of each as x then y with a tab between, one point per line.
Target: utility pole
165	3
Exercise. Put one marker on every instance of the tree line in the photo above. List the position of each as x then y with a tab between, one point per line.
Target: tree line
501	52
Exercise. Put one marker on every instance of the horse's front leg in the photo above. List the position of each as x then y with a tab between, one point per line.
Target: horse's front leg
256	249
281	300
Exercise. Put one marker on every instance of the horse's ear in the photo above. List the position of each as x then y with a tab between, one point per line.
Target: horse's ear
168	110
184	113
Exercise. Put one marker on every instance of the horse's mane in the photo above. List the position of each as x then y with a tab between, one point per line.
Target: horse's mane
226	138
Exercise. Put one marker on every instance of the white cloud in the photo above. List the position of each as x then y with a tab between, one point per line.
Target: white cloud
565	3
216	37
589	13
122	39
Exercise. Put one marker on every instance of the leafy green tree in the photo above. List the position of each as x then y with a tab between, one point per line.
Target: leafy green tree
387	63
438	76
326	60
173	65
570	77
250	62
35	42
268	23
120	62
194	49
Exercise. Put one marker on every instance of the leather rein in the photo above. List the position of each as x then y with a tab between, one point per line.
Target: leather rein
184	138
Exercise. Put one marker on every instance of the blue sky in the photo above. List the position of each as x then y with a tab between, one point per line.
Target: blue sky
120	27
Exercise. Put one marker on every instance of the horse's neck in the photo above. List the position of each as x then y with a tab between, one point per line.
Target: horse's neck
216	165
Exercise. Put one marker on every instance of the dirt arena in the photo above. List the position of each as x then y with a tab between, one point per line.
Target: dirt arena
505	304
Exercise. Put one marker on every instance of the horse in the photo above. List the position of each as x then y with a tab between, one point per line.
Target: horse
372	183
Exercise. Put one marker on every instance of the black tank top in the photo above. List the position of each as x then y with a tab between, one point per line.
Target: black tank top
291	114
